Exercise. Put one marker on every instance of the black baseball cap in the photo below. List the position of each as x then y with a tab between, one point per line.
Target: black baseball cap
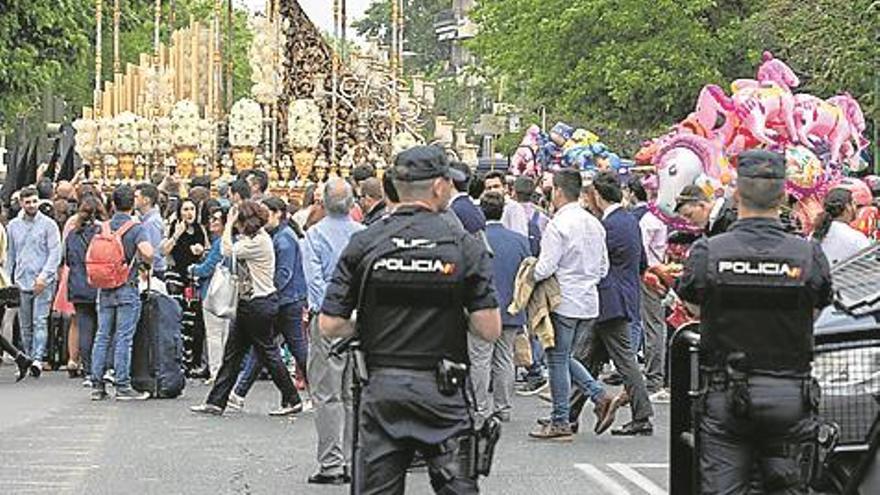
423	163
690	194
760	164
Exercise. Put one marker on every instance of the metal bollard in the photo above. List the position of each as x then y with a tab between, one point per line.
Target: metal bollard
684	383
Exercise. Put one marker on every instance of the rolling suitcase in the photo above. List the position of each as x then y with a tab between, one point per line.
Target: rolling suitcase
157	353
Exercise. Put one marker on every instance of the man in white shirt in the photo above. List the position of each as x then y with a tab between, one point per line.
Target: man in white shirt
573	250
839	240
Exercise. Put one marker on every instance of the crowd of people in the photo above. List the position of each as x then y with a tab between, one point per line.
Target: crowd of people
572	264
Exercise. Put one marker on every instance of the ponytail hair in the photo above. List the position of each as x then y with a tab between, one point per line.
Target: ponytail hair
834	205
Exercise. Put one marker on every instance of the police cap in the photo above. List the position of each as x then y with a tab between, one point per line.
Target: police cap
423	163
760	164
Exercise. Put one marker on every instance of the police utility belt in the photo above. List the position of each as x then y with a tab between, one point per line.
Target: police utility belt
734	380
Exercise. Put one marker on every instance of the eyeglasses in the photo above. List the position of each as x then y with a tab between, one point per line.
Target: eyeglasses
216	219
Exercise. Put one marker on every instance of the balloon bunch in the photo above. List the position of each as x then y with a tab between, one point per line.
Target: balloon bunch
821	139
562	147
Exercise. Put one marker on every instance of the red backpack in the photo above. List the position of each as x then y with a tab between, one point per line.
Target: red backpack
105	258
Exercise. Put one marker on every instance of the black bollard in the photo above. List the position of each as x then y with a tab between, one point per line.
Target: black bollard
684	384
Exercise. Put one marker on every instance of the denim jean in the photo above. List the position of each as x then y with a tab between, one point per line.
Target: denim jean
87	325
564	369
33	315
122	320
536	370
288	322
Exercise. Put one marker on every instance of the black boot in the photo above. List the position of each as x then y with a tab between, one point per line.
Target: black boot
24	363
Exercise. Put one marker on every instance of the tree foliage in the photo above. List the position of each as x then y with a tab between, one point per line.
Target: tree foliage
418	31
39	41
639	65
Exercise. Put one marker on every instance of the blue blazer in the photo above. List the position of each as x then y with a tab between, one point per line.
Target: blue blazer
619	291
510	249
471	216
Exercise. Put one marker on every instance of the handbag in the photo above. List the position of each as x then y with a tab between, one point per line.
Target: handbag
222	297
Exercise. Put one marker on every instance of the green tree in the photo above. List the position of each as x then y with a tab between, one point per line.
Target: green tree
418	31
635	65
39	41
625	62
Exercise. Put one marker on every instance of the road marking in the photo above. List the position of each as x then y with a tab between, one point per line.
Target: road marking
637	479
611	486
51	467
649	465
57	484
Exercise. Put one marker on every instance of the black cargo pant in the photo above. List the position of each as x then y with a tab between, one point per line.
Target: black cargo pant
252	327
402	412
779	420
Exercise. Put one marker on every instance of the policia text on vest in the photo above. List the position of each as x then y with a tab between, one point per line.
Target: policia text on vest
411	277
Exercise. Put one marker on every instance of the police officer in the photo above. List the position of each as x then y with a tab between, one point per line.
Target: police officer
758	289
417	281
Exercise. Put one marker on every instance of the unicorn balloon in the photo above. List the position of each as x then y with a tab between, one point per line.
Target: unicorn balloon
687	159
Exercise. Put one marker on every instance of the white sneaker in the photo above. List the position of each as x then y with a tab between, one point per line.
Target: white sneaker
235	403
661	396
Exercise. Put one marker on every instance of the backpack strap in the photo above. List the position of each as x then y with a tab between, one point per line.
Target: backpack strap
125	228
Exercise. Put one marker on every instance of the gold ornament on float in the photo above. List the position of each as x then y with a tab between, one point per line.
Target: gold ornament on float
244	157
185	158
126	166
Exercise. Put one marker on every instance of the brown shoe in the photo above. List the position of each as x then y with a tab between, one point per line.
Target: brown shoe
559	433
600	410
608	420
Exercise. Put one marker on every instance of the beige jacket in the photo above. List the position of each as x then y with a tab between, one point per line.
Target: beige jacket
538	299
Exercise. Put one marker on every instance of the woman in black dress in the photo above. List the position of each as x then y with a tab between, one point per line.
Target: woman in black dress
186	242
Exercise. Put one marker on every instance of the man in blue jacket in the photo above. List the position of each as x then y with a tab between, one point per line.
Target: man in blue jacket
619	298
290	283
510	250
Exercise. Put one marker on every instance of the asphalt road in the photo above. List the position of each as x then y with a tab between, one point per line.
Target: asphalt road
54	440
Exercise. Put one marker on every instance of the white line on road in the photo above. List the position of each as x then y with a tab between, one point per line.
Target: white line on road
637	478
51	468
57	484
602	479
649	465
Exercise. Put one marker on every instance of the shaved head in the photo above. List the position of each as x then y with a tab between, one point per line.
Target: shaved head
64	190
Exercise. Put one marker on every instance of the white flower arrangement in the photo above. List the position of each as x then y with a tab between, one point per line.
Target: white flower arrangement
185	124
267	43
127	139
245	123
106	136
304	124
86	138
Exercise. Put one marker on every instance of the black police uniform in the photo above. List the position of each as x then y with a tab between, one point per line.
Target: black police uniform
757	287
422	271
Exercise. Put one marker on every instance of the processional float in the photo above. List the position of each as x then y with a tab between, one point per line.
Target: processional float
314	109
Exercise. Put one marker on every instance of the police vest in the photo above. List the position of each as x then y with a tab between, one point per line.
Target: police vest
758	304
411	313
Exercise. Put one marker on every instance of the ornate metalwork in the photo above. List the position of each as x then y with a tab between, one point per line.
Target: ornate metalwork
364	95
